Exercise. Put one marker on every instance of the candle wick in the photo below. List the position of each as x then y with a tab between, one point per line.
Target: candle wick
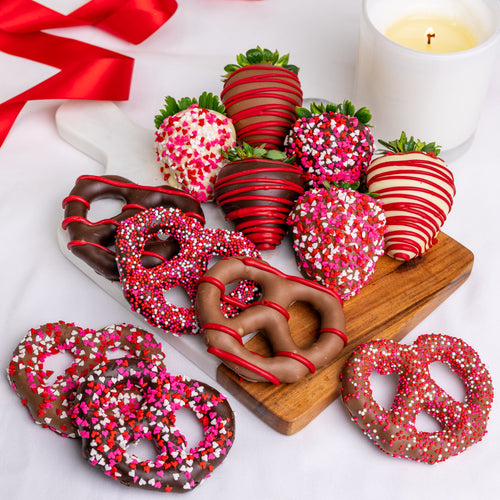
430	34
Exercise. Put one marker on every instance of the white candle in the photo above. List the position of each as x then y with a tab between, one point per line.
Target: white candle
434	96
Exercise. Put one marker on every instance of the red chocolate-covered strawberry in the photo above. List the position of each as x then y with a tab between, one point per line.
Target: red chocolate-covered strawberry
338	236
332	143
416	189
191	134
261	93
256	191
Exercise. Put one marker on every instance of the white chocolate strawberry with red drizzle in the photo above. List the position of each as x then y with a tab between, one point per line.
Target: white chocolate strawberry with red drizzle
338	237
256	190
261	93
416	189
189	139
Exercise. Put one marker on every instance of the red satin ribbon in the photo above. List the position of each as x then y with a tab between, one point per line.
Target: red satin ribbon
87	71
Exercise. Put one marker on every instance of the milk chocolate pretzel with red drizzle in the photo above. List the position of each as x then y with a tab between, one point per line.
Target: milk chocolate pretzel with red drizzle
224	336
93	241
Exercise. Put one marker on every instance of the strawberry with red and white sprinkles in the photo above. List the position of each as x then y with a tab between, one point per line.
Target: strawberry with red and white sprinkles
338	236
463	423
189	143
331	143
129	400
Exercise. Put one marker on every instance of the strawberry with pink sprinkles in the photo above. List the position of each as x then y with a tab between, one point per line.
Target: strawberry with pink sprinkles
189	141
338	237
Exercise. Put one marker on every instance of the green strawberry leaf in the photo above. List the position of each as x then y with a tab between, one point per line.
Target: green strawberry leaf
207	100
407	144
238	153
257	56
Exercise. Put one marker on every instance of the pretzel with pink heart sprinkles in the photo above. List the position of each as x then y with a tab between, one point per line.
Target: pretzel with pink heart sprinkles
393	430
144	288
109	422
269	315
48	403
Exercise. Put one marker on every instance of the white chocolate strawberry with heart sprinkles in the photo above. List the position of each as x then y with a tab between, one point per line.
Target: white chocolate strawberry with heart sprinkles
338	236
416	189
189	142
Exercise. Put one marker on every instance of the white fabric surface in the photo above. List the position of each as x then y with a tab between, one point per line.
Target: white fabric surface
330	458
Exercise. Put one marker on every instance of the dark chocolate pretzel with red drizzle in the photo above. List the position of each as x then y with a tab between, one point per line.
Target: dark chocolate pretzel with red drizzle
93	241
224	336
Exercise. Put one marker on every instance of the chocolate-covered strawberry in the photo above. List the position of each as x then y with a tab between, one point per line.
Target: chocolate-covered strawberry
190	136
338	237
261	93
256	191
416	189
332	143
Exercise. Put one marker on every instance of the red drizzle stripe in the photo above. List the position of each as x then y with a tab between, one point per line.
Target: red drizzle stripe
132	206
341	334
233	301
250	225
299	358
266	212
223	329
81	243
245	364
313	284
82	220
260	182
273	305
154	254
75	198
213	281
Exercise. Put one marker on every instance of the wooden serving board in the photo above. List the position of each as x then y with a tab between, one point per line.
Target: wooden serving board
391	305
399	297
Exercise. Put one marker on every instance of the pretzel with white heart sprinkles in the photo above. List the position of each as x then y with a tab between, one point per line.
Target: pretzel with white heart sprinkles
48	403
109	424
289	363
394	431
144	288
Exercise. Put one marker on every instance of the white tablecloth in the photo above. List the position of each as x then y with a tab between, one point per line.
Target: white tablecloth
330	458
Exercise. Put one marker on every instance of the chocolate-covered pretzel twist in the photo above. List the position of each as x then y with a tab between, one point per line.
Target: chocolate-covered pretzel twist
110	421
48	402
269	315
393	430
93	241
144	288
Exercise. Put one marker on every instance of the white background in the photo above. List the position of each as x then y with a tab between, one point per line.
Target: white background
330	458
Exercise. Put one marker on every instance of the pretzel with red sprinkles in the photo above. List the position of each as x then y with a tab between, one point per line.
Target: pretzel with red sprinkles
48	403
93	241
393	431
224	336
144	288
109	424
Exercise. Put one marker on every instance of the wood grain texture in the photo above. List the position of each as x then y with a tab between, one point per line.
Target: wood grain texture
398	298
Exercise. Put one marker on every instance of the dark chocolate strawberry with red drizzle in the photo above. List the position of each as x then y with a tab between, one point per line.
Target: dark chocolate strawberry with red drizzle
261	93
416	189
256	191
338	237
190	136
332	143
